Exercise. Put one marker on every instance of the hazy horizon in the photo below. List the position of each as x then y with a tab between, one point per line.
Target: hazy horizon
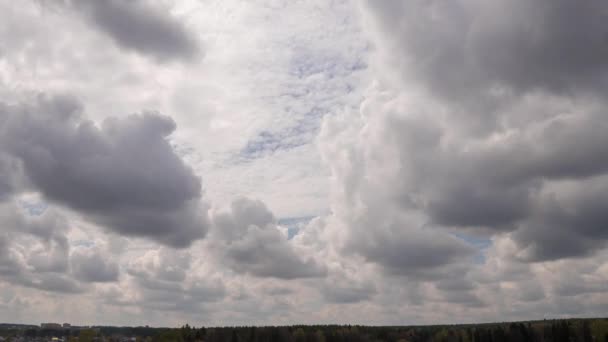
202	325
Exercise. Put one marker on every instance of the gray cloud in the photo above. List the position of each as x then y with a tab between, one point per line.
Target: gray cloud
123	174
377	211
141	27
53	282
277	291
479	183
577	285
52	257
570	222
165	281
506	107
351	292
459	290
169	266
415	253
34	251
249	241
92	266
8	171
470	184
45	236
530	291
46	227
462	48
9	262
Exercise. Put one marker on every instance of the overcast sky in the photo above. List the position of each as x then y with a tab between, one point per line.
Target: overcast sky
277	162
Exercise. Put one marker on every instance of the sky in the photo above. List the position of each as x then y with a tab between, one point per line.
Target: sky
277	162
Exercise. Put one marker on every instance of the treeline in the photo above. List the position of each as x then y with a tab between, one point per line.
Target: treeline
574	330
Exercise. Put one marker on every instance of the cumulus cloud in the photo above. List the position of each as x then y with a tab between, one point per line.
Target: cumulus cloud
570	221
93	267
54	282
35	250
376	219
467	185
142	27
9	262
9	170
345	290
166	280
464	48
495	104
123	174
50	257
249	241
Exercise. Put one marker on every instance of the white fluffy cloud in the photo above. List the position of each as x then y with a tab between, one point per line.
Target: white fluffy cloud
248	240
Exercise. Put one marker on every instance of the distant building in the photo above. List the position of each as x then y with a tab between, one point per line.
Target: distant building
67	325
50	326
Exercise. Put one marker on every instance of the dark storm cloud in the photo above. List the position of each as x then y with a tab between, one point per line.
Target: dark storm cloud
459	48
491	184
495	186
139	26
474	205
123	174
250	242
569	223
518	92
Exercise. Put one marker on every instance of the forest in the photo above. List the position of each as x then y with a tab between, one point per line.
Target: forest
566	330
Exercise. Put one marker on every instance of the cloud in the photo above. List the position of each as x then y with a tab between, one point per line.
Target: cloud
44	235
141	27
53	282
465	183
165	280
122	174
35	251
249	241
493	105
9	170
93	267
345	291
413	253
375	217
463	48
50	257
568	223
9	262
